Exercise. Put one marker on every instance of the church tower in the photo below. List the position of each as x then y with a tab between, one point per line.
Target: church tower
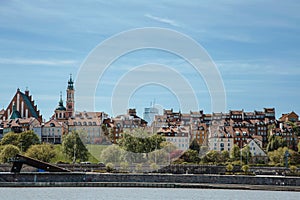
70	104
60	111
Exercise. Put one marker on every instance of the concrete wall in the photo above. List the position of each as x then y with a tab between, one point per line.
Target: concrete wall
148	178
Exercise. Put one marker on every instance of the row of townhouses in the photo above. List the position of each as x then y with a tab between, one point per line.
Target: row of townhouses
218	131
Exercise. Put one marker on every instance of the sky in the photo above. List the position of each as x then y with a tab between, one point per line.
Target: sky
255	46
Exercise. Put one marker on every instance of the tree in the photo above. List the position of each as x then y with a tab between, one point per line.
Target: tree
224	156
274	142
246	154
140	141
190	156
235	153
74	148
277	157
212	157
26	139
43	152
299	146
10	138
160	156
112	154
195	146
8	151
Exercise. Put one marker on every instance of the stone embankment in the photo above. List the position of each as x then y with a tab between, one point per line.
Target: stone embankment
149	180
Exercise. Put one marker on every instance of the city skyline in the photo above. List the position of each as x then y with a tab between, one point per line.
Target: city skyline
255	46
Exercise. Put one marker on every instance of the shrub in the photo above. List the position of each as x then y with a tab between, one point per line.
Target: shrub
110	167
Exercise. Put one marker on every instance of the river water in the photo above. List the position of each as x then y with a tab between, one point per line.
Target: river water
90	193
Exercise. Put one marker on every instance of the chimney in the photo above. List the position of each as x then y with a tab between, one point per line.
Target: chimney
131	111
27	92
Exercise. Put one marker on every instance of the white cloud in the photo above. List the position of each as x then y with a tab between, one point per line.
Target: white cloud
162	20
12	61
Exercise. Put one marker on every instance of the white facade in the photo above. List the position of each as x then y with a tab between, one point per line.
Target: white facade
255	149
220	144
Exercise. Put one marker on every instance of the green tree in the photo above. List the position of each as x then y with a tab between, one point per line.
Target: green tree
190	156
224	156
43	152
140	141
160	156
274	142
195	146
112	154
299	146
26	139
74	148
8	151
10	138
235	153
246	154
212	157
277	157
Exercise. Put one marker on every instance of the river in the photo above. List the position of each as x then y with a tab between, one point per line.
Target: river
90	193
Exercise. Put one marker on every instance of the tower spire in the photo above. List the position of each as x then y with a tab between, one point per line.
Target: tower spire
70	83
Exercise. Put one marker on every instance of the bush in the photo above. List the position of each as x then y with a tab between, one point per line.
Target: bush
8	151
293	169
245	169
154	167
124	166
229	168
43	152
139	167
110	167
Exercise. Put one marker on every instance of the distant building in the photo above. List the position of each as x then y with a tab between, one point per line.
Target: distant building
51	131
292	117
24	105
149	114
178	136
18	125
88	123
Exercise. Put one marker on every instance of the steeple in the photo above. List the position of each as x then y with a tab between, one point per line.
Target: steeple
70	83
15	114
70	103
60	104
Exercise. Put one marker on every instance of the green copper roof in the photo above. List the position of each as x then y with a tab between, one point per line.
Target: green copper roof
15	114
60	104
29	105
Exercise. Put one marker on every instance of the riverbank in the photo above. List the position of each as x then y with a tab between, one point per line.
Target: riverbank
151	185
46	179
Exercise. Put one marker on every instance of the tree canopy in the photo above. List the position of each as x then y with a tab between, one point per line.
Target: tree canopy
43	152
23	140
74	148
8	151
274	142
26	139
140	141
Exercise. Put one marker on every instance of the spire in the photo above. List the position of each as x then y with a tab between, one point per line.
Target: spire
60	103
15	114
70	83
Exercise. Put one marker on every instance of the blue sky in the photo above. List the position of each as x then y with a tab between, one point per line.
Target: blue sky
255	46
